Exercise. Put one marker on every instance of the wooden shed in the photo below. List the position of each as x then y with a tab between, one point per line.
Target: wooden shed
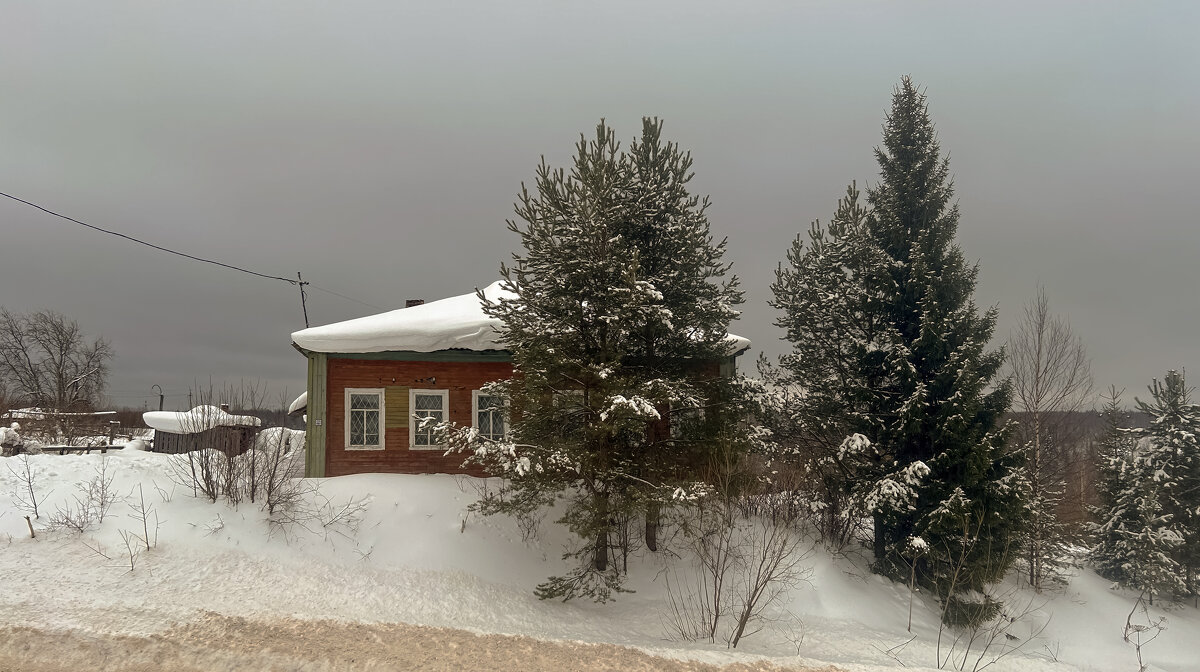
200	428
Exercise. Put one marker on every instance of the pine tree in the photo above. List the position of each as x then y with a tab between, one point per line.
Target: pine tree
920	386
619	296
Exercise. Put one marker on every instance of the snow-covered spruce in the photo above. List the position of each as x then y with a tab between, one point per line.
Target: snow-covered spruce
887	343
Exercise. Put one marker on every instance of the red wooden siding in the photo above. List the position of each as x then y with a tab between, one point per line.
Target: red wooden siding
460	378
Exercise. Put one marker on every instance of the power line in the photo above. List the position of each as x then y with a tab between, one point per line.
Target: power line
343	296
290	281
142	242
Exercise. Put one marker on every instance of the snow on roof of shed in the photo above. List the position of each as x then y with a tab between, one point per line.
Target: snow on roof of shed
199	419
299	404
454	323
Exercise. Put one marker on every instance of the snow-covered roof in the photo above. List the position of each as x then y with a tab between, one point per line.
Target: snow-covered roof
199	419
457	322
454	323
299	404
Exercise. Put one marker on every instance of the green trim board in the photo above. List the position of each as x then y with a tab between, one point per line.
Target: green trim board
439	355
314	459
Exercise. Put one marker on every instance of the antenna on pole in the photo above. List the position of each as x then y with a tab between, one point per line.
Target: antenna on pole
303	298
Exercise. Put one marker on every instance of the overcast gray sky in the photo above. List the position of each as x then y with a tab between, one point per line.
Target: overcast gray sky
377	147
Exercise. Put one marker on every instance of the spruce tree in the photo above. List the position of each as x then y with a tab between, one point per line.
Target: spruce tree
619	295
835	318
1171	457
914	378
1115	471
944	406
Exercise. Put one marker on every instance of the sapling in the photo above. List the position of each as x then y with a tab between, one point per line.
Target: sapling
26	495
142	513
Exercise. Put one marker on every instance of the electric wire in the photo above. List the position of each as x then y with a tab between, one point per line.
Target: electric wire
290	281
142	242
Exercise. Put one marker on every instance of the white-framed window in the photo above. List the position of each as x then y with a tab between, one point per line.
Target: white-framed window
487	415
364	418
427	404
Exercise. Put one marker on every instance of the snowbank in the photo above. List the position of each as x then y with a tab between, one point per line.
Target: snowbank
414	554
199	419
454	323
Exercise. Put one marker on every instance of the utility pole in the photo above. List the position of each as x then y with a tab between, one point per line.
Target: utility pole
303	302
160	396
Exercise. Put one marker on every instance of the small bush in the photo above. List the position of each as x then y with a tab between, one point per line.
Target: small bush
970	611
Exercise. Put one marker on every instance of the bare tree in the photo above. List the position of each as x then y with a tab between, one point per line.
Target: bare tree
47	361
1052	383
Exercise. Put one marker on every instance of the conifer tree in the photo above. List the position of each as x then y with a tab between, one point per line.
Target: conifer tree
619	294
1171	449
1115	470
922	388
944	406
1145	518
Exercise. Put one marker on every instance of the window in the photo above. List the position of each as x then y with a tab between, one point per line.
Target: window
364	419
426	404
487	413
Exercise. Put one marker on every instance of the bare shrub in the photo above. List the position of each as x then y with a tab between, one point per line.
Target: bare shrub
142	513
264	474
1142	633
769	566
91	505
99	492
75	516
26	495
275	458
132	547
319	515
199	470
746	558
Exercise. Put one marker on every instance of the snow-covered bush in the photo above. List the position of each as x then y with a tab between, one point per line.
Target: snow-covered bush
264	475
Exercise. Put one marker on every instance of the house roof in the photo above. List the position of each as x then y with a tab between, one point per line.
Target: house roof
199	419
456	323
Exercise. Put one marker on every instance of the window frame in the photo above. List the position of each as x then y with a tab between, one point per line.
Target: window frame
415	420
475	395
381	394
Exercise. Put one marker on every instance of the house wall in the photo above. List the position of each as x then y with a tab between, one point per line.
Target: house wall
397	377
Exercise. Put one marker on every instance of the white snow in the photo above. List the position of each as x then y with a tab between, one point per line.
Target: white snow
300	402
11	435
197	420
411	559
454	323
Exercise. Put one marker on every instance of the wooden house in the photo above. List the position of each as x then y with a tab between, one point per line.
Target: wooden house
200	428
370	379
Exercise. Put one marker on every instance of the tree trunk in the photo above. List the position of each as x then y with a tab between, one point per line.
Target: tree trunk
879	545
652	515
600	561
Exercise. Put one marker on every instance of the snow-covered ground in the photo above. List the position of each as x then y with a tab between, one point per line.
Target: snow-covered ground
406	550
